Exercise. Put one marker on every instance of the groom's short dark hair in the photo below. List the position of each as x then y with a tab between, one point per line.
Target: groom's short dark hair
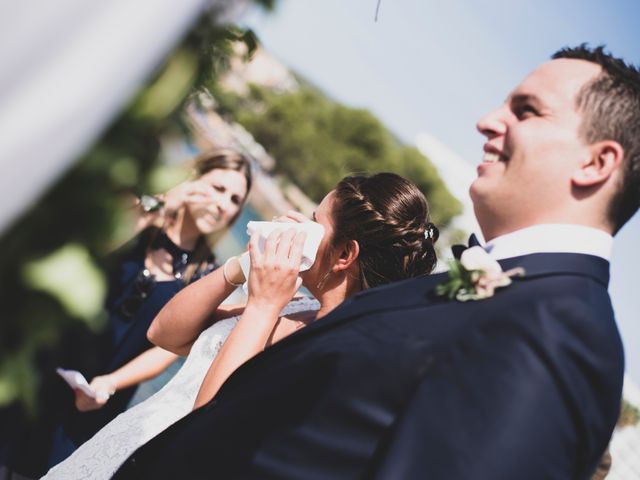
611	107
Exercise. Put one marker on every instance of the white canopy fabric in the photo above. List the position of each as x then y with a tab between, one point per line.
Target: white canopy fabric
67	67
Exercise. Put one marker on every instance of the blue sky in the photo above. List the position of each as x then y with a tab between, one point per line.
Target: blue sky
437	67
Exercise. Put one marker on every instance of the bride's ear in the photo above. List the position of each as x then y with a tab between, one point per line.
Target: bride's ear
349	253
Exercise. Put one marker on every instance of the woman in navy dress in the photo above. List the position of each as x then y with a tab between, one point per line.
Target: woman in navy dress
170	252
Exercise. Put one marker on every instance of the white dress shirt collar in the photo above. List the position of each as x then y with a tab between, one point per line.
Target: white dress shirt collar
552	238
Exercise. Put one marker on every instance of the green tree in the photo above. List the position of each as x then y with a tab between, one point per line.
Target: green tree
82	216
629	415
317	141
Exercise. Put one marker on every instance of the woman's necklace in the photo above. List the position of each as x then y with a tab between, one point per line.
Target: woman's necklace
179	257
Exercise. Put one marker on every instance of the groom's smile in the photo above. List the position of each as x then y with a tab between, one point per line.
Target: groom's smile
492	155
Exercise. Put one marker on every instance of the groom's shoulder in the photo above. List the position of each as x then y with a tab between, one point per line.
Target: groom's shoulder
565	294
545	275
572	285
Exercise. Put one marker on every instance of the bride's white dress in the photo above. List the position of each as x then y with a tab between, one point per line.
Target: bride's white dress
103	454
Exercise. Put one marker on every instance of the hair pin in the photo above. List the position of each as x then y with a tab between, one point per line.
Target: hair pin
429	233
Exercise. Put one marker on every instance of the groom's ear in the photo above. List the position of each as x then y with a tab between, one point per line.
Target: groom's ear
349	253
605	158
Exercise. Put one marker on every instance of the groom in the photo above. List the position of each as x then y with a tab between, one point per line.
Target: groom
400	383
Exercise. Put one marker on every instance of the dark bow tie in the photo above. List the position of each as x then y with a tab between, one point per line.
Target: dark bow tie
458	249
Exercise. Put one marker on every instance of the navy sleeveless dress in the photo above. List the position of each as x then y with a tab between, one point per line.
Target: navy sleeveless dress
133	301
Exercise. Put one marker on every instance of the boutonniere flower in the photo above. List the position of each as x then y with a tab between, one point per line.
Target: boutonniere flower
475	276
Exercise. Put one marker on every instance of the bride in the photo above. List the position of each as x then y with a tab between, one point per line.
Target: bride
376	231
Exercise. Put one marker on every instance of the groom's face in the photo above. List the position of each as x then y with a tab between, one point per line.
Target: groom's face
532	150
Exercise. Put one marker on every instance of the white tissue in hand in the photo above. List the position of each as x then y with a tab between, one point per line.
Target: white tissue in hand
314	231
76	380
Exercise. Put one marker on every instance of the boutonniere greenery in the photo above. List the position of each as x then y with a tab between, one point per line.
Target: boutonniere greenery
475	276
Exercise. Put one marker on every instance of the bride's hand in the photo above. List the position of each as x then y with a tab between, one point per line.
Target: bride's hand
292	217
274	279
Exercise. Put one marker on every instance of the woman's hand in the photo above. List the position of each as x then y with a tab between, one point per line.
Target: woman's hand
187	192
103	387
192	192
273	279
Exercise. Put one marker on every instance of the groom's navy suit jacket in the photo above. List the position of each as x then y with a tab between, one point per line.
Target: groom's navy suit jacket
400	384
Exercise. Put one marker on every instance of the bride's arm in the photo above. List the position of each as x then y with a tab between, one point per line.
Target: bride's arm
197	306
272	283
194	308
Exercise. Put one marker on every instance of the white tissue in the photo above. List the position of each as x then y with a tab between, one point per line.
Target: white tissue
76	380
314	231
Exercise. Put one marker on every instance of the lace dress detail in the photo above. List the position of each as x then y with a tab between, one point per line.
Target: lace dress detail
102	455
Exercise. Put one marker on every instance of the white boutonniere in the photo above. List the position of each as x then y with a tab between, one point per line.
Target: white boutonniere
475	276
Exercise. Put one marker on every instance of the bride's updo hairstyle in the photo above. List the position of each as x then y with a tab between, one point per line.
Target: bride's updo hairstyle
389	218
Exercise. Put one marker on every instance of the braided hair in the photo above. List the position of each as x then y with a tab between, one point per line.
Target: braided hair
389	218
